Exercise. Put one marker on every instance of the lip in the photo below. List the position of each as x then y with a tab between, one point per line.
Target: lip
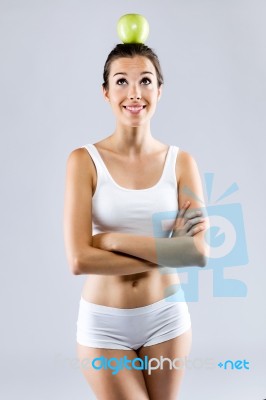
134	108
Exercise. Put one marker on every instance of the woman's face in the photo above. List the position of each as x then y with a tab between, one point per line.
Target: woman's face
133	90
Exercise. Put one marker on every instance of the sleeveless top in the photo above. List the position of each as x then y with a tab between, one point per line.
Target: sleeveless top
147	212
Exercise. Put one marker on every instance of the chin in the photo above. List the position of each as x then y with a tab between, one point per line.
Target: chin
139	122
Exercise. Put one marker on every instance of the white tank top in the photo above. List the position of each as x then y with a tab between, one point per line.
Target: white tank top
146	212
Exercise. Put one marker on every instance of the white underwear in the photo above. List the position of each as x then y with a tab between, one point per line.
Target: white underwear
131	328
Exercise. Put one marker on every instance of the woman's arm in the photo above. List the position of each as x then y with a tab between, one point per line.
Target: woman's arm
172	252
175	251
82	257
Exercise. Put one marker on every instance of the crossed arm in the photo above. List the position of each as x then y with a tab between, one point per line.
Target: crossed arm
176	251
187	246
113	253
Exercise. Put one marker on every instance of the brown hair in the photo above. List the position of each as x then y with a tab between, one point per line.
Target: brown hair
131	50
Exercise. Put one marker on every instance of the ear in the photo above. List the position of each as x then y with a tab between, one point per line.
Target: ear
160	90
105	94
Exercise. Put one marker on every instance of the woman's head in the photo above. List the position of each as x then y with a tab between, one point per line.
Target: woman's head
132	83
130	50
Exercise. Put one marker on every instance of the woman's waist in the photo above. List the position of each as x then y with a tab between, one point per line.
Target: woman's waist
130	291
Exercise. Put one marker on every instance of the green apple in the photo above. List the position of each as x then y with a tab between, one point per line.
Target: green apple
133	28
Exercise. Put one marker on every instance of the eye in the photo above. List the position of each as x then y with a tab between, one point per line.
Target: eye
146	81
121	81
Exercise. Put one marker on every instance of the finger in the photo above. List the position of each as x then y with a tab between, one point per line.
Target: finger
186	215
197	229
194	221
193	214
183	209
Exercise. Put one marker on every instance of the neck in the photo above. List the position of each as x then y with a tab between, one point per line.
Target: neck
133	140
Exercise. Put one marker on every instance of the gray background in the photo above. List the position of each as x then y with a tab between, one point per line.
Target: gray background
52	55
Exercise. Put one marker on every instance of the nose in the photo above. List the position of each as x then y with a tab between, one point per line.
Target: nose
134	92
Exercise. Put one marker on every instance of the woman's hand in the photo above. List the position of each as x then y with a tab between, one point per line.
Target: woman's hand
188	222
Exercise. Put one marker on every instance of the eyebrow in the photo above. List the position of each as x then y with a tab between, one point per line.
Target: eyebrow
124	73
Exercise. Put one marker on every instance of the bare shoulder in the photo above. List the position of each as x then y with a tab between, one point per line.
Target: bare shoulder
80	156
184	158
79	160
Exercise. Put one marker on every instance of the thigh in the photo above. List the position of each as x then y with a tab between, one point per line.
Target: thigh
163	382
112	384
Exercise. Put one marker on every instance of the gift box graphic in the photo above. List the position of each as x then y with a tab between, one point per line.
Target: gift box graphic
227	244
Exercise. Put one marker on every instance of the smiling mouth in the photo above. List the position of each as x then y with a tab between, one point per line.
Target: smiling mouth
134	109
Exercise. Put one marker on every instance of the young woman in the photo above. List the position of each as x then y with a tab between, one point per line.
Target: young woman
121	195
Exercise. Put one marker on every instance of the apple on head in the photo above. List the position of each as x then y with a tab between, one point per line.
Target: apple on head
133	28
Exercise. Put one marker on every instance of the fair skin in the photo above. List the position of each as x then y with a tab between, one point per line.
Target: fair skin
115	260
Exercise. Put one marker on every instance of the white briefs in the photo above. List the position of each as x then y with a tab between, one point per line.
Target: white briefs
131	328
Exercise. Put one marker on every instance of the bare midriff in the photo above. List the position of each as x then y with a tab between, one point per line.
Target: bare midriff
130	291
